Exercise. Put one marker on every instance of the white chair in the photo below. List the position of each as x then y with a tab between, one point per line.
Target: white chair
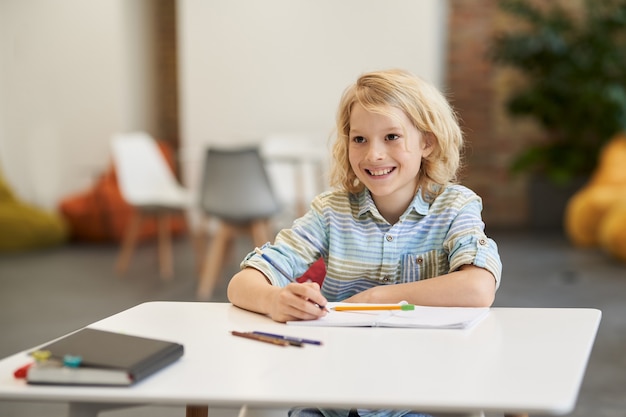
298	162
148	184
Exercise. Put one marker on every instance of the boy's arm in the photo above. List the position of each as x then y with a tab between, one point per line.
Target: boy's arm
251	290
470	286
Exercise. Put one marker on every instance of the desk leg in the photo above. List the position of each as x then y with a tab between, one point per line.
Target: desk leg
197	411
93	409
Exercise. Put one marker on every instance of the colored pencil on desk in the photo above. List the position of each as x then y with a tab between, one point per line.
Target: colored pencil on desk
266	339
403	307
290	338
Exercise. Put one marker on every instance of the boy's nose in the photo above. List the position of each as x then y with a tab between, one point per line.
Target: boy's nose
375	151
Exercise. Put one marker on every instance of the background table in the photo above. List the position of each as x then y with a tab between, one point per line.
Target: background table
515	360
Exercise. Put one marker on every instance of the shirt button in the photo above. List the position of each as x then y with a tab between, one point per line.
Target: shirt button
482	242
386	278
419	260
389	238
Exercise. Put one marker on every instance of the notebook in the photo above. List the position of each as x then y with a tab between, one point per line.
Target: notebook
419	317
105	358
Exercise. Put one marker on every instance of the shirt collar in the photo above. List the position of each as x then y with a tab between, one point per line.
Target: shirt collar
419	205
366	203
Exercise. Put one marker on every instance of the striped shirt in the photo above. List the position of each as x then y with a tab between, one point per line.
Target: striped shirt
362	250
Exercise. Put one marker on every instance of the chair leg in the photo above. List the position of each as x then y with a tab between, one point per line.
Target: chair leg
197	411
165	247
300	198
128	242
200	243
260	230
213	261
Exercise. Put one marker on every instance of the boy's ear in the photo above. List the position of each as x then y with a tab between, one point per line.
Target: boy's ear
429	142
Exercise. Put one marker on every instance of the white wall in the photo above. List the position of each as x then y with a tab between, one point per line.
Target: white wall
253	68
72	72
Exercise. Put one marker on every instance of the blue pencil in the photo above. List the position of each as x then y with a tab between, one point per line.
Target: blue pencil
274	264
282	271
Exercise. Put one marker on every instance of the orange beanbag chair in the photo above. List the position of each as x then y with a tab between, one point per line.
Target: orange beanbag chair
101	214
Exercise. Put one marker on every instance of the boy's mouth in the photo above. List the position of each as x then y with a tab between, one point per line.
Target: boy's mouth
379	172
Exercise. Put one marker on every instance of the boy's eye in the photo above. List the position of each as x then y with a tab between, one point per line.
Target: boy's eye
358	139
392	136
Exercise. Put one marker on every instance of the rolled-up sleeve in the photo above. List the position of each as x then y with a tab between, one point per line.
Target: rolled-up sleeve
294	249
254	260
468	244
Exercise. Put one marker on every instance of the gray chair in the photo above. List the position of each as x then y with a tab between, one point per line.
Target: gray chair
235	191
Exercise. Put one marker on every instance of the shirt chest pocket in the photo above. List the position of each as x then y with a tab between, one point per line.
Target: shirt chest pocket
425	265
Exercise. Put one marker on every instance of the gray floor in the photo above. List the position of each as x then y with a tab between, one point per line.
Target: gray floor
48	293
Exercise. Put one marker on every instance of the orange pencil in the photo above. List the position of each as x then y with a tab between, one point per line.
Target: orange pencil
403	307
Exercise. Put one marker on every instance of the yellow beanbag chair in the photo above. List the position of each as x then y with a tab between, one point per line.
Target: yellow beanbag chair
586	210
24	227
612	231
596	214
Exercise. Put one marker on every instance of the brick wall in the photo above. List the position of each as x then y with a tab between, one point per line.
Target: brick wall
477	91
167	71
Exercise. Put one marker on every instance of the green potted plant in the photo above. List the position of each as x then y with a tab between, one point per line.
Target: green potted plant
573	62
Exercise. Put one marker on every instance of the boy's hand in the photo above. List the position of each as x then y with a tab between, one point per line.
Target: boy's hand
298	302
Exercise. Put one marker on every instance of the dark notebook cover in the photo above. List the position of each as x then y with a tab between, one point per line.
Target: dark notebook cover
136	356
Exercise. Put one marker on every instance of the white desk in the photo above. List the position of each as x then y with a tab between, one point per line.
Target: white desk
516	360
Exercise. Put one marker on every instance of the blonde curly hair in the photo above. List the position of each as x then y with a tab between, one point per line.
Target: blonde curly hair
423	104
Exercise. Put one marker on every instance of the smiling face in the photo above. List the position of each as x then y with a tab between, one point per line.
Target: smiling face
385	152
